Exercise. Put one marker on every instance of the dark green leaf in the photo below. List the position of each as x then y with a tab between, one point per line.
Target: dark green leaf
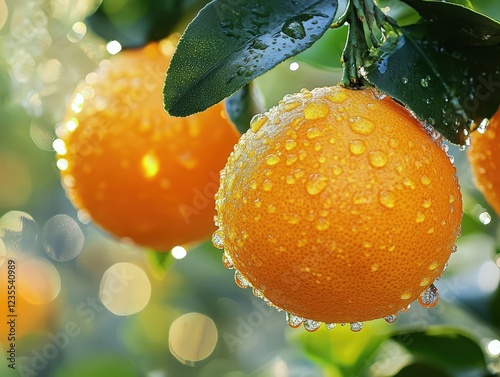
421	369
495	308
447	86
133	23
448	21
231	42
244	104
445	348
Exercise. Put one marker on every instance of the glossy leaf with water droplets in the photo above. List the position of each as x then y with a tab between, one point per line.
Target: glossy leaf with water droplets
456	22
231	42
450	87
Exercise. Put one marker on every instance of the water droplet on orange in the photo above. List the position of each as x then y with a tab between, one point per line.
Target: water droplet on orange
272	159
316	110
357	147
387	198
257	122
316	183
377	159
361	125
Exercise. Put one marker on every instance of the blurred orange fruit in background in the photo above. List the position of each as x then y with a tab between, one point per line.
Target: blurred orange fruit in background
484	158
138	172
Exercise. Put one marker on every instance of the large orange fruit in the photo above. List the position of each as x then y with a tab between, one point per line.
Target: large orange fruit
338	207
484	159
138	172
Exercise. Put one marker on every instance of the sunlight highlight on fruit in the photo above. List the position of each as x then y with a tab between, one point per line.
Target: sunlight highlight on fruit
338	207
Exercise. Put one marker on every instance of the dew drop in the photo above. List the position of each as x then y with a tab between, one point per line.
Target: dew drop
240	280
322	224
272	159
257	122
267	185
294	29
425	282
357	147
316	110
293	321
311	325
316	183
434	265
258	294
218	239
330	326
337	170
227	261
374	267
291	105
377	159
393	143
387	198
424	83
405	80
391	318
406	295
361	125
356	326
427	203
291	158
290	144
430	297
313	133
338	97
425	180
420	217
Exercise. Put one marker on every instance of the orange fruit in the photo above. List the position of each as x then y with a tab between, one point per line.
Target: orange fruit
136	171
482	155
338	207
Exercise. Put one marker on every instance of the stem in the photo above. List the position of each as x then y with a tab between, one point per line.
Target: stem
368	26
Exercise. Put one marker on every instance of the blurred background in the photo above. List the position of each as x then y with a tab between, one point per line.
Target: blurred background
183	315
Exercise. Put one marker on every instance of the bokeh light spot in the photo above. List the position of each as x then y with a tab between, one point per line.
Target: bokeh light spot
38	281
4	13
114	47
19	233
192	338
178	252
125	289
62	238
493	348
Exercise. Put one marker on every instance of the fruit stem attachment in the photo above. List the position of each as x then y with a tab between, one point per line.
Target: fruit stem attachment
368	29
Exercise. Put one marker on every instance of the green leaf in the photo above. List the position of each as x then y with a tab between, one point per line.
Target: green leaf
231	42
448	86
133	23
160	262
421	369
244	104
456	22
445	348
